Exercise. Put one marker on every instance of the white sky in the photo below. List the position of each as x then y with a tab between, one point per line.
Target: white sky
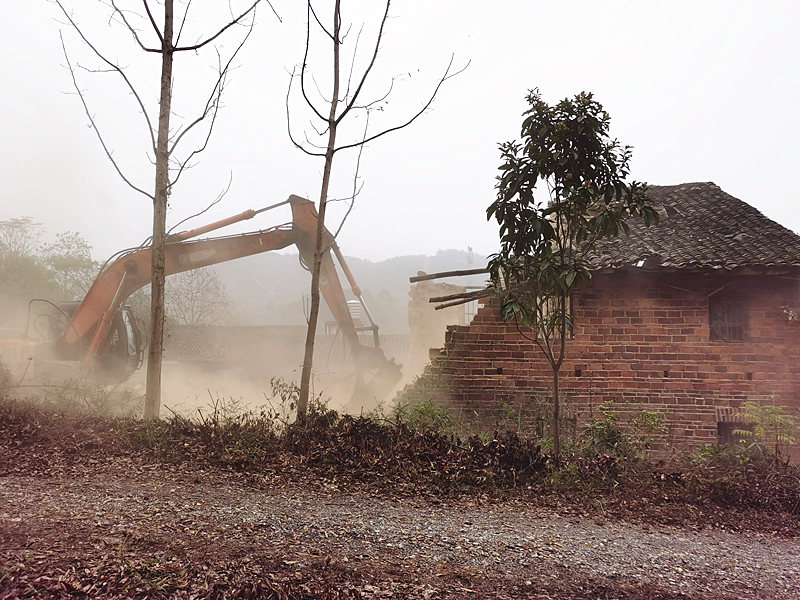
704	91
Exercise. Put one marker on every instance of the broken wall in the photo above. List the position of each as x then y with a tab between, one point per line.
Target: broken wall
640	340
428	326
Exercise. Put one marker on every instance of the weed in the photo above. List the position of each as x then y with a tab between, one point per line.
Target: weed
771	427
425	414
741	476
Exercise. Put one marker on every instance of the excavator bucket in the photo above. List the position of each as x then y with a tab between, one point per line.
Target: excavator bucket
376	376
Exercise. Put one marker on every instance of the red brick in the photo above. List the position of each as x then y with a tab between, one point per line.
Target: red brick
626	335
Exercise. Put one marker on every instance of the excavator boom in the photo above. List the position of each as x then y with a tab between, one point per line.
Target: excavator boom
91	324
132	270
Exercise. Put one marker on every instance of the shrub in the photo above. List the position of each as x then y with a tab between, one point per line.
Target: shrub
771	427
743	477
425	414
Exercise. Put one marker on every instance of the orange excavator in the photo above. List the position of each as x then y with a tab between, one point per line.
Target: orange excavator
108	338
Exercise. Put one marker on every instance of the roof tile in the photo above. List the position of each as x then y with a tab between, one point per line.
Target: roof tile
701	227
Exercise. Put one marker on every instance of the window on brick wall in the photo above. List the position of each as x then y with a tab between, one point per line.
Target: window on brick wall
727	318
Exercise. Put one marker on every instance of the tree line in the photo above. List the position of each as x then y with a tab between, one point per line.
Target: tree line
64	269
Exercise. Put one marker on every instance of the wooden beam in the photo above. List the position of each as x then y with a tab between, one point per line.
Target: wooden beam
454	303
429	276
466	295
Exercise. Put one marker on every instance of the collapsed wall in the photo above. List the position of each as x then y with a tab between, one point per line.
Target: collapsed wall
428	325
692	346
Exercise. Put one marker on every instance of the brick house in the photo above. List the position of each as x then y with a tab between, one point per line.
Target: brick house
691	318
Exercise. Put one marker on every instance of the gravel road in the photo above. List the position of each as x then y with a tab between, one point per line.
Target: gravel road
177	515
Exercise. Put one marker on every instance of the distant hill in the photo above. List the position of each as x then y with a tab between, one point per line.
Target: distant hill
271	288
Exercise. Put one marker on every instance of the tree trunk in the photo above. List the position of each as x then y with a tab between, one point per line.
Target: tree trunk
308	357
556	416
153	392
556	366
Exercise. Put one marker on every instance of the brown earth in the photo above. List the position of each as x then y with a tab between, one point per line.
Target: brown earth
83	514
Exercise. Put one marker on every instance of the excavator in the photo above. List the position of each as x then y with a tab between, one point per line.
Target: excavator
109	339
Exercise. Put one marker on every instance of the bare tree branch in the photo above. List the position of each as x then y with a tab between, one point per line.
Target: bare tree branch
221	31
295	143
312	144
346	198
183	22
114	67
184	164
94	125
310	104
344	36
321	26
349	105
153	23
355	179
214	202
319	132
353	63
447	75
319	91
377	100
216	93
274	12
131	28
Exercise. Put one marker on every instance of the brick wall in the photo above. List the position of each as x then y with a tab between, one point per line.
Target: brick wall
639	339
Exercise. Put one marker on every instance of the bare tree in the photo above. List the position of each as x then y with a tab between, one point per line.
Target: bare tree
163	38
345	98
19	236
196	297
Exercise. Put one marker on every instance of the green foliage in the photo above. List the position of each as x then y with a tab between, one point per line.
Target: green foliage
62	270
611	450
771	426
425	414
561	189
70	262
281	405
546	236
741	477
391	454
629	437
603	434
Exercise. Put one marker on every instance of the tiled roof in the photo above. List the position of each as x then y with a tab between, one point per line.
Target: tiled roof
701	227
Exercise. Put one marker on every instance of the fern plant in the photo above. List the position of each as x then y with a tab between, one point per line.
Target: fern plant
770	426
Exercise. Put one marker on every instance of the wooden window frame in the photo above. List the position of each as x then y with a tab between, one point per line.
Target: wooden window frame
727	319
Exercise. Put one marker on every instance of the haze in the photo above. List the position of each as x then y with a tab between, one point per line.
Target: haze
703	91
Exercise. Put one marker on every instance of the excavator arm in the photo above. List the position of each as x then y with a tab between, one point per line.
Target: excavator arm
90	326
132	271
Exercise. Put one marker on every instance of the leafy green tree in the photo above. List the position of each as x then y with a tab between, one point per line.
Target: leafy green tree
70	261
561	189
23	274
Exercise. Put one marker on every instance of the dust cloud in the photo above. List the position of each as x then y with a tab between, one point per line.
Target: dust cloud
187	389
232	367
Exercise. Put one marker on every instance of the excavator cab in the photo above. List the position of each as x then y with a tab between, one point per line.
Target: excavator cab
123	349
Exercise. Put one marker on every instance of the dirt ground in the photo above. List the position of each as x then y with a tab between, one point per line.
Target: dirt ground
78	522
